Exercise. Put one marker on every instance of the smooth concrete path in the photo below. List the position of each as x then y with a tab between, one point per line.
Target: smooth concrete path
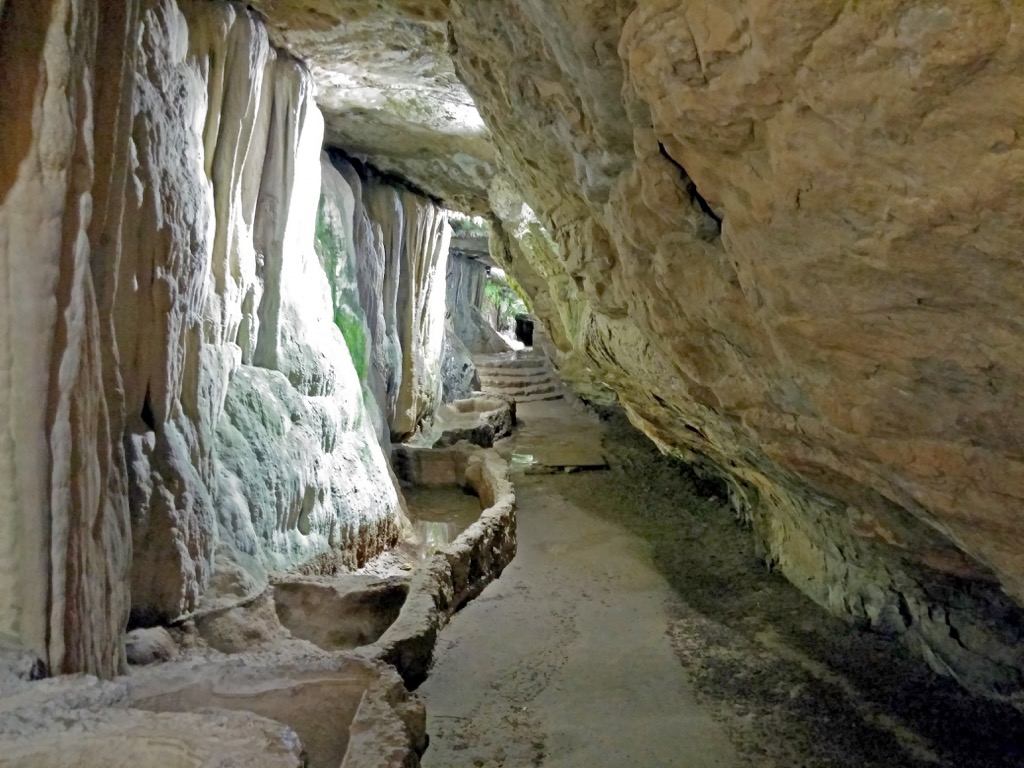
566	660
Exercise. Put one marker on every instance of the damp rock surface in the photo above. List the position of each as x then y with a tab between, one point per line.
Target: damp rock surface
215	739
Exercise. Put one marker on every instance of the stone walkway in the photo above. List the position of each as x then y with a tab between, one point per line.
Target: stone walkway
636	628
566	660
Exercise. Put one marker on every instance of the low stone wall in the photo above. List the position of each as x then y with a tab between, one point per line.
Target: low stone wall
293	702
270	710
459	572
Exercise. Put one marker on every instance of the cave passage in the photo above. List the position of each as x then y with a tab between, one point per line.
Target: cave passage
544	383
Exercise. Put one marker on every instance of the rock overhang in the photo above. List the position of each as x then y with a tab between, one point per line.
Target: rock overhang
388	90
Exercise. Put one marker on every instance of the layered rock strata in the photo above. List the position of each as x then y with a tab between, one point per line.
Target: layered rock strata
389	92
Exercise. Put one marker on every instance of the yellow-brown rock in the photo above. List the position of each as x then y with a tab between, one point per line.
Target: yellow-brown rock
786	235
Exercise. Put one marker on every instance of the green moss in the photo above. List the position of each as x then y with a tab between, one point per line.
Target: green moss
355	339
520	292
348	313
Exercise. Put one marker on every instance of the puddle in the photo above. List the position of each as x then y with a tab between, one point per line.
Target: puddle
520	462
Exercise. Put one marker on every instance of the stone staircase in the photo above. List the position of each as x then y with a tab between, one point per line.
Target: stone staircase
526	376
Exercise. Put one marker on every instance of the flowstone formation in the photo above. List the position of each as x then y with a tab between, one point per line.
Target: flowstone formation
210	332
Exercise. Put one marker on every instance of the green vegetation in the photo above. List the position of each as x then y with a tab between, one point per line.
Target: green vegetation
354	331
515	286
468	226
505	300
348	313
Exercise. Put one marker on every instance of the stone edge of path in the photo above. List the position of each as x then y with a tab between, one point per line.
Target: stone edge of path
190	707
460	571
388	729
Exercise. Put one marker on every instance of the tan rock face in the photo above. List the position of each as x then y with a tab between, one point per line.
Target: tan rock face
388	90
784	234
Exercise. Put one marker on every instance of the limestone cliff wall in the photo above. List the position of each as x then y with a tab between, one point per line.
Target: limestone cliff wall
785	235
261	454
179	408
64	546
388	251
467	279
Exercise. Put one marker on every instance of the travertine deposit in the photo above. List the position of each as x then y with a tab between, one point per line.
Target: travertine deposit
273	710
187	346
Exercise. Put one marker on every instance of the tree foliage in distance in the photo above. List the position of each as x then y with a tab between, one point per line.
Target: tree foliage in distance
506	302
468	226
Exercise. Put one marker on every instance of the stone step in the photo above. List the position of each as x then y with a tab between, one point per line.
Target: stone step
539	398
524	371
517	392
509	363
502	380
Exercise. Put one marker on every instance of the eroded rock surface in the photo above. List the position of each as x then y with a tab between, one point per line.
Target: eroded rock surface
282	708
150	645
780	233
467	278
130	737
389	92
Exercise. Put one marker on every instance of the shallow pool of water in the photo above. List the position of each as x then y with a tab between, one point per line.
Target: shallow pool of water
440	514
